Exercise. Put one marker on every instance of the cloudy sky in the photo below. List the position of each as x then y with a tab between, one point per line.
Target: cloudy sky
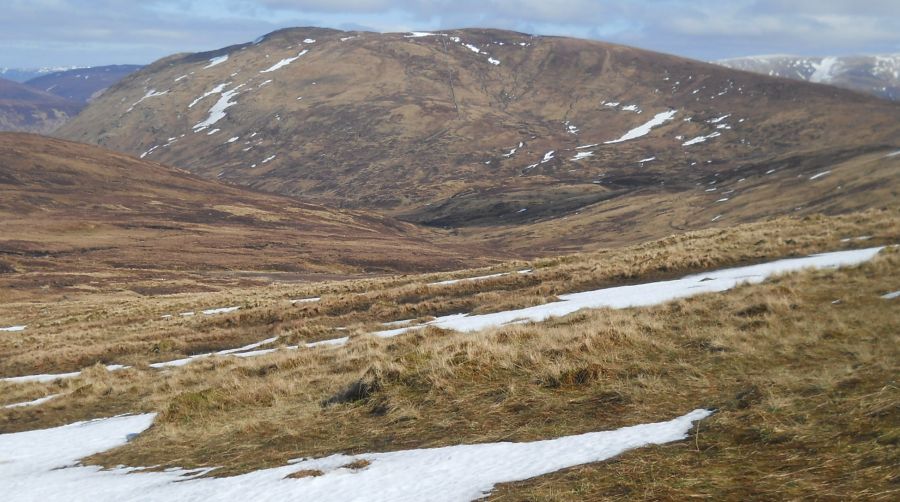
94	32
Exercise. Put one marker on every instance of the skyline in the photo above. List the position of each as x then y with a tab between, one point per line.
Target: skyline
100	32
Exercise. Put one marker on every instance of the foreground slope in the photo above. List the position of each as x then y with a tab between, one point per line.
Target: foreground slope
797	368
24	108
478	127
76	217
875	75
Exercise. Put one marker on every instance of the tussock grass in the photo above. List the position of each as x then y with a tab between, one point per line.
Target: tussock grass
805	389
110	329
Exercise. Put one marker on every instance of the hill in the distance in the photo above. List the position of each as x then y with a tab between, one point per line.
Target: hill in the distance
875	75
82	84
74	215
23	75
486	129
24	108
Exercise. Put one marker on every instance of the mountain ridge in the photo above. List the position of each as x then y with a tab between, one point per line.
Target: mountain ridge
877	75
82	84
475	126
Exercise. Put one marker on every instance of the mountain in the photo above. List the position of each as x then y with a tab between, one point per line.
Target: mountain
875	75
497	133
24	108
82	84
72	215
22	75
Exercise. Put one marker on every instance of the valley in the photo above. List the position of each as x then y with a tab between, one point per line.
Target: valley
450	265
76	219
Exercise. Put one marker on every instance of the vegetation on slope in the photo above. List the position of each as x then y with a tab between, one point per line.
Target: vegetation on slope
801	370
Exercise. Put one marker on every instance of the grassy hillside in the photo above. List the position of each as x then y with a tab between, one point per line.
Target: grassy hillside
800	369
76	219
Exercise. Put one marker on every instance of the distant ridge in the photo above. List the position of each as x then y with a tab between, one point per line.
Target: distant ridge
876	75
82	84
24	108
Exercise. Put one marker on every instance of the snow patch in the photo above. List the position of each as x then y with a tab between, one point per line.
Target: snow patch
648	294
306	300
824	71
45	378
44	465
15	328
478	278
644	129
514	150
33	403
221	310
701	139
284	62
152	93
216	61
233	352
217	112
582	155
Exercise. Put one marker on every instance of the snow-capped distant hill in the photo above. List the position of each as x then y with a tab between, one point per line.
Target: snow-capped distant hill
24	74
82	84
876	75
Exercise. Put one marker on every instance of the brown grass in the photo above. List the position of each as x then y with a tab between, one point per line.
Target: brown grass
357	464
805	389
305	473
74	334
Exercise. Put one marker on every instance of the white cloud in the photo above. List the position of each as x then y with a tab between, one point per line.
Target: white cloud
704	29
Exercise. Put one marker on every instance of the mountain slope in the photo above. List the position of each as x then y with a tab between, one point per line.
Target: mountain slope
875	75
82	84
479	127
23	108
77	216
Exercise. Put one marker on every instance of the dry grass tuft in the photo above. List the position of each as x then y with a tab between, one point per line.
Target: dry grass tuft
357	464
305	473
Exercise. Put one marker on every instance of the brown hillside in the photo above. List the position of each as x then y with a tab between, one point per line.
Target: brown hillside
76	218
23	108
